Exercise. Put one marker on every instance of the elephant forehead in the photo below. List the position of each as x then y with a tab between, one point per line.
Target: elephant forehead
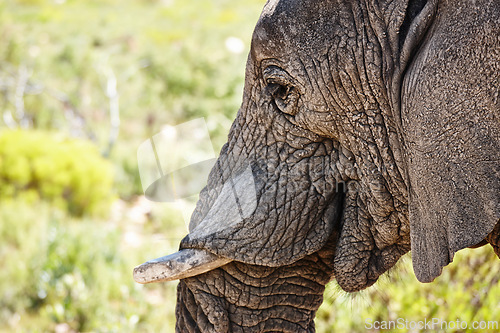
288	26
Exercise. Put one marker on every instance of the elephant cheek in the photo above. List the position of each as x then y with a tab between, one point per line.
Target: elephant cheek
363	252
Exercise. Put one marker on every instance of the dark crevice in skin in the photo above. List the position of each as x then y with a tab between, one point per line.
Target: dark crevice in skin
494	239
413	9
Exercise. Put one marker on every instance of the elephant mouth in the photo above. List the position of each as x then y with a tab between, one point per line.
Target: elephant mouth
259	229
191	261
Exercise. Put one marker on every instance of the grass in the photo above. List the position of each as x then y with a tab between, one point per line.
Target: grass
170	64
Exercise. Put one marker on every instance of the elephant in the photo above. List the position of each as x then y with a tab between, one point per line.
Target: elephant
368	128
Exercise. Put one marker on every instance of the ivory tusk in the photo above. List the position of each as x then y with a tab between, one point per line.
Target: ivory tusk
180	265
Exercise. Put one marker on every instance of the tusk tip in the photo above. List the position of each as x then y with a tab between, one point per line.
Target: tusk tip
180	265
142	274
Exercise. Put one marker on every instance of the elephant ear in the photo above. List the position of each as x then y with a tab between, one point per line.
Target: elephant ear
451	130
400	27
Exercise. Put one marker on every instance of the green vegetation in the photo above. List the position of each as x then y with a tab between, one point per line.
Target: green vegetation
467	291
66	274
68	172
162	62
62	66
67	250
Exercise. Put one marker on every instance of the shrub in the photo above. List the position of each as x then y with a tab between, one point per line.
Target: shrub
69	173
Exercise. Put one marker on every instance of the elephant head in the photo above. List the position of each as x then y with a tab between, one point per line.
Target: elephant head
367	128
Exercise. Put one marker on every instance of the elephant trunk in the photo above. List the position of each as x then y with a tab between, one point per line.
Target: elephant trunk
239	297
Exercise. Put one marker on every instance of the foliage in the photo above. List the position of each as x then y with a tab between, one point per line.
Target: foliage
467	291
59	63
58	272
68	172
168	61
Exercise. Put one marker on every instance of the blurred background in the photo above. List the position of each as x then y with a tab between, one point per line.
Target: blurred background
82	84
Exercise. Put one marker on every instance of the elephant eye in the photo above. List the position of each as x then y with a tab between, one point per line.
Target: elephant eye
279	92
281	87
284	96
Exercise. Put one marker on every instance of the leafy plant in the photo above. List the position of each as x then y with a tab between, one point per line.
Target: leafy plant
70	173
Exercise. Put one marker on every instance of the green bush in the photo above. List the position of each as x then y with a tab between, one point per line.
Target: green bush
69	173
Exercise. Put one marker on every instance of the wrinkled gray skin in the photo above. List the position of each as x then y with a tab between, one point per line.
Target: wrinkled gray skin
399	100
